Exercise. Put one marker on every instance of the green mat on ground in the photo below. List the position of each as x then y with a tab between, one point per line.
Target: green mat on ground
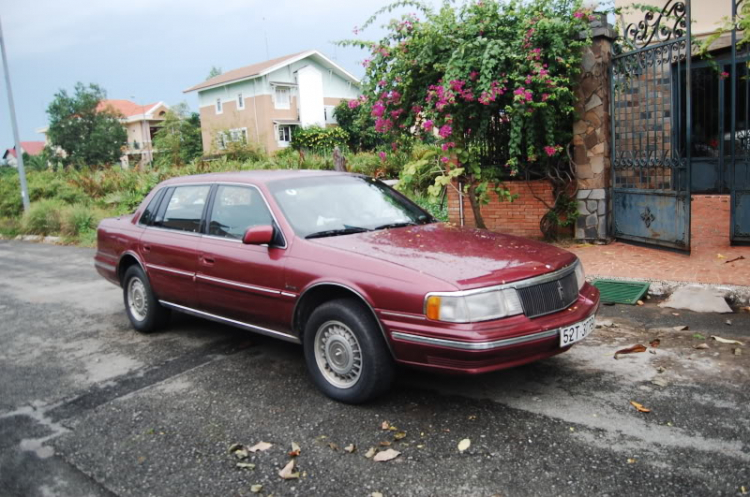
621	292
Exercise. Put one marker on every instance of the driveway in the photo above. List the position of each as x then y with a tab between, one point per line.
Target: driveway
90	407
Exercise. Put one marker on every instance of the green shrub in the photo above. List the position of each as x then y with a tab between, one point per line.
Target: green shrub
79	219
9	227
43	217
319	140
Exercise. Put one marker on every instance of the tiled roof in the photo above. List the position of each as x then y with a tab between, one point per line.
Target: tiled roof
125	107
31	148
242	72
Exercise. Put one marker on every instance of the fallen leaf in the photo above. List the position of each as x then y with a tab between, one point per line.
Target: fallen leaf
287	472
295	450
385	425
661	382
376	494
386	455
698	336
241	454
246	465
333	446
371	452
701	346
743	490
472	417
385	443
728	322
724	340
661	369
639	407
400	435
675	313
234	447
350	448
745	309
721	256
260	446
738	351
655	343
632	460
681	328
256	488
464	444
640	302
631	350
420	446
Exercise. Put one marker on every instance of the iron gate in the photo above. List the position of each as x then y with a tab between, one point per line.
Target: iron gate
650	135
739	134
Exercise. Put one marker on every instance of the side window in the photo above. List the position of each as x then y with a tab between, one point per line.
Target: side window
185	208
235	209
148	215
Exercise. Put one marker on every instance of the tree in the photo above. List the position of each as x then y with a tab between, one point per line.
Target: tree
39	162
484	78
88	136
359	124
178	140
215	71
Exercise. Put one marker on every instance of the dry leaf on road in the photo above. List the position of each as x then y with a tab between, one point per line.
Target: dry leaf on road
246	465
260	446
385	425
295	450
333	446
350	448
371	452
400	435
655	343
725	340
681	328
639	407
464	444
386	455
701	346
288	472
631	350
256	488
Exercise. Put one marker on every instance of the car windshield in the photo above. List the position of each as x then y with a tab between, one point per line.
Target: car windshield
339	205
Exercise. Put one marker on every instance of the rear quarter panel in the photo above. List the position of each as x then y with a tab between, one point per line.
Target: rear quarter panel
115	237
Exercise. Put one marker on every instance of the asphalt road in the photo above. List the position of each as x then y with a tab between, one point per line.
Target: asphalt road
90	407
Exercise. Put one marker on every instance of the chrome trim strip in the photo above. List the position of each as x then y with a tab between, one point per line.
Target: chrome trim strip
170	230
287	294
238	284
457	344
104	265
403	315
233	322
170	270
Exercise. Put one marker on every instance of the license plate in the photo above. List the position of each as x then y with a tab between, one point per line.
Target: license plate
576	332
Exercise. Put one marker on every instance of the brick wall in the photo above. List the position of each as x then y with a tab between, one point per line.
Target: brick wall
520	217
709	222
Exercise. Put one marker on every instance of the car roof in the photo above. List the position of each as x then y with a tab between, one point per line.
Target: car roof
252	177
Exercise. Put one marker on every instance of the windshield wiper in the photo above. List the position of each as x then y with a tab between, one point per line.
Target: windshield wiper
342	231
396	225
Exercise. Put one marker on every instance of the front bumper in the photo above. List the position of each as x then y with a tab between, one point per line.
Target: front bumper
483	347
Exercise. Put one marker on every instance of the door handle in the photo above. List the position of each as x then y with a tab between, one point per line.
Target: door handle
207	260
146	247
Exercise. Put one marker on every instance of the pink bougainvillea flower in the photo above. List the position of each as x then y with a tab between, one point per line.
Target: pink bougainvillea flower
382	82
545	96
428	124
378	109
447	146
550	151
353	104
394	146
382	156
724	75
383	125
578	14
444	159
366	62
445	131
396	113
473	75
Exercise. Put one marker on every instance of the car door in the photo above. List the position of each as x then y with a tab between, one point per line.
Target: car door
169	245
238	281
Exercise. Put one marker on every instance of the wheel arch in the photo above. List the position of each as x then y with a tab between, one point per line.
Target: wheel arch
126	260
322	292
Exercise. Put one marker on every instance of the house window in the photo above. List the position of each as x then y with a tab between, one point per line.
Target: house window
240	101
330	114
232	136
282	97
218	106
285	135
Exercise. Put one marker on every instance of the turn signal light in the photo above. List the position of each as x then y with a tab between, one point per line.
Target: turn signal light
433	307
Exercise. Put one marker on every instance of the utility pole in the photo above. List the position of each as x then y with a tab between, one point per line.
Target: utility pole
19	150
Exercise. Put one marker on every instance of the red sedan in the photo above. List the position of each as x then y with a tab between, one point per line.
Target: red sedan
359	275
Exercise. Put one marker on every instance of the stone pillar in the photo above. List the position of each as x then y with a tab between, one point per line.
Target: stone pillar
591	135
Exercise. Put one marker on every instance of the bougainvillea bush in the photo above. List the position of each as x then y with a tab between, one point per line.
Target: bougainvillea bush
479	77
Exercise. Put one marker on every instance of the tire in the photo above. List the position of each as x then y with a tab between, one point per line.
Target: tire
143	309
345	352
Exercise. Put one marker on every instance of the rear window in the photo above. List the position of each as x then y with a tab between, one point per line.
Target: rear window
148	215
185	208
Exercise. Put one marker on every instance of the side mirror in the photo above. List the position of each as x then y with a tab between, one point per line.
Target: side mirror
258	235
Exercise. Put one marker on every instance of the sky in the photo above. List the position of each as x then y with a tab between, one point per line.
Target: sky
151	50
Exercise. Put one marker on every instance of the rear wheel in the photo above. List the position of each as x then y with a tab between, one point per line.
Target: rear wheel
345	352
144	311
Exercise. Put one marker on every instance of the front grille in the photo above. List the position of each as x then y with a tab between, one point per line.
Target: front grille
549	297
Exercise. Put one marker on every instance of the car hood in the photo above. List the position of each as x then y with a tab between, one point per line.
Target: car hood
467	258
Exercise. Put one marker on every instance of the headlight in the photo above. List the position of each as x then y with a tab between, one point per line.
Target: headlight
461	307
580	275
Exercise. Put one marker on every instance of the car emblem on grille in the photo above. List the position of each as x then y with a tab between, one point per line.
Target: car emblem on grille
560	291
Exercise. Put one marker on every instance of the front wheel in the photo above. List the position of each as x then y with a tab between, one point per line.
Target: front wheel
144	311
345	352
